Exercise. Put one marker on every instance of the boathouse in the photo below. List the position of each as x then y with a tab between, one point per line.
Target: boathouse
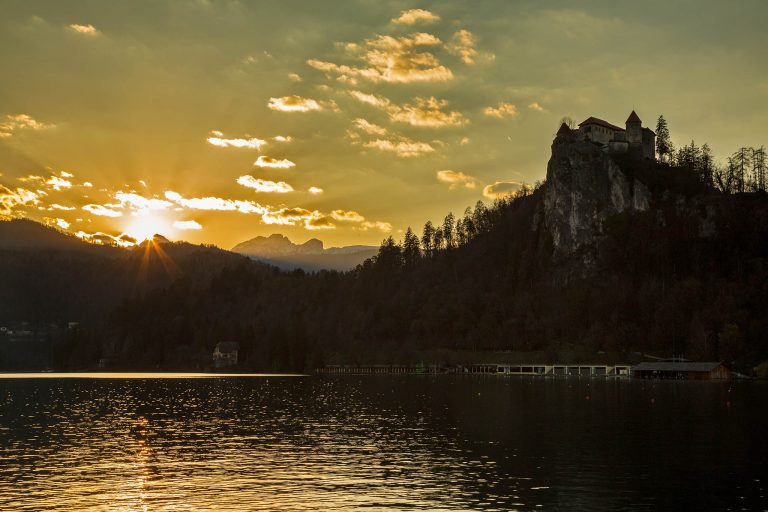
225	354
681	370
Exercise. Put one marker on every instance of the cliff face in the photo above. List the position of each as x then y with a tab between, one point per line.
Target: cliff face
584	186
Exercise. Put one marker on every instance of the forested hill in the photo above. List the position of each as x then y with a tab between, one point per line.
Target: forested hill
608	258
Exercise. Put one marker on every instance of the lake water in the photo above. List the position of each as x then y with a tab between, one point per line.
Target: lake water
381	443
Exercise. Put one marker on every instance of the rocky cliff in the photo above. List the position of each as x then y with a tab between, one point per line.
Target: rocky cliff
584	187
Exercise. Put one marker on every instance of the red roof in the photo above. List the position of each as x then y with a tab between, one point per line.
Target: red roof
600	122
633	118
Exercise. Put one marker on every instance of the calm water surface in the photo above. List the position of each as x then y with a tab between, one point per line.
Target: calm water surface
381	443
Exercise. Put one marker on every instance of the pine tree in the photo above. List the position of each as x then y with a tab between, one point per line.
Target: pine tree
428	238
758	168
411	249
448	231
664	146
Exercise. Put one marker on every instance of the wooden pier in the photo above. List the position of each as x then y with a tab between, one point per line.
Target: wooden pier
543	370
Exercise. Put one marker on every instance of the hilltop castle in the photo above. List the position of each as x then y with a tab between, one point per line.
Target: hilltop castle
634	139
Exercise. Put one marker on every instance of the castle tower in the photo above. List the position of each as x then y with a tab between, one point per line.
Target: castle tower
634	129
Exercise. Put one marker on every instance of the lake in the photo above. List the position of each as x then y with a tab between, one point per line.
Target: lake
381	443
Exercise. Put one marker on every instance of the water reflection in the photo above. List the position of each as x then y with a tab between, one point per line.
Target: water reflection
379	443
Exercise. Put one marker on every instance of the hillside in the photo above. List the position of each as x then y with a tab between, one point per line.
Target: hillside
611	257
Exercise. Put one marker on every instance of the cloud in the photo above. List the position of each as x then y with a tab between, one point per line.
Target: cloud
310	219
215	204
537	107
390	60
60	207
368	127
347	216
501	189
371	99
86	30
294	77
501	111
102	210
293	104
282	138
106	239
260	185
427	112
185	225
315	190
404	148
16	122
413	16
423	112
463	45
138	202
273	163
457	179
319	223
10	199
217	139
57	183
386	227
59	223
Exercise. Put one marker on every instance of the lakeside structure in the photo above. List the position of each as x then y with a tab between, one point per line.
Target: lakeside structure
225	354
675	370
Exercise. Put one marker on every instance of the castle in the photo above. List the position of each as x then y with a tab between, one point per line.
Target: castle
634	139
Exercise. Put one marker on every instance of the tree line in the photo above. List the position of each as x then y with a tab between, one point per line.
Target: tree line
743	171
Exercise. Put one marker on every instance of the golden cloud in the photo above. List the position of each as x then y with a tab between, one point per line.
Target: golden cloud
217	139
413	16
463	45
368	127
427	112
186	225
215	204
424	112
273	163
391	60
501	111
501	189
101	210
404	148
386	227
11	199
321	222
293	104
456	179
16	122
138	202
315	190
260	185
87	30
347	216
537	107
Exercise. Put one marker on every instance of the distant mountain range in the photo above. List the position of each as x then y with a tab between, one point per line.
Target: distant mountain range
279	251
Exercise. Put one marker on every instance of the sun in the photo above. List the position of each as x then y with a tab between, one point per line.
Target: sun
144	226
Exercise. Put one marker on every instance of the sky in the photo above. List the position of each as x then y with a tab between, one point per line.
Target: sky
348	121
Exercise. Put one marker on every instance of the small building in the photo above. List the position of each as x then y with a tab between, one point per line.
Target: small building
681	370
225	354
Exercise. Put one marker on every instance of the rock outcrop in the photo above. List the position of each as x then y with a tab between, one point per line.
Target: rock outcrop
585	186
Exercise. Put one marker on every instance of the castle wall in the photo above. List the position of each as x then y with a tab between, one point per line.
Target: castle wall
634	133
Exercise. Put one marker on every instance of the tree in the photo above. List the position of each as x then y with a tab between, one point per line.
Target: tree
664	146
724	177
706	165
438	240
428	238
742	160
448	231
411	249
567	121
758	168
390	255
